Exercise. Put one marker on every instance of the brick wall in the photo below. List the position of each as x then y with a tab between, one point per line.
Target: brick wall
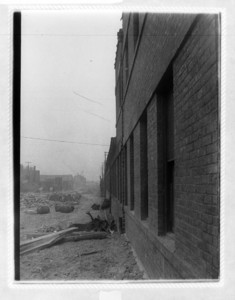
152	164
128	145
143	167
154	54
193	250
158	259
137	179
130	173
197	148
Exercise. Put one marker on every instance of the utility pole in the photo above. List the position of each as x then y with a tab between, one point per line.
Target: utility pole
28	162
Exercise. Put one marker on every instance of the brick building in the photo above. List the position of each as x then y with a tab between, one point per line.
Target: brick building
163	167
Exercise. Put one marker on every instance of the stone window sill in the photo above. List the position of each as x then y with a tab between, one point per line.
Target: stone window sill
168	241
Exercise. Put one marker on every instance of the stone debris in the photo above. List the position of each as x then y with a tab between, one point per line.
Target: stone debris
65	197
64	208
43	210
74	256
28	201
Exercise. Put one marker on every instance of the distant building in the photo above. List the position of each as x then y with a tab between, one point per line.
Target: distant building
56	182
29	174
67	182
79	181
29	178
163	168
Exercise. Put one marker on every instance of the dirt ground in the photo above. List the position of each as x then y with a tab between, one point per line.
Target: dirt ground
114	259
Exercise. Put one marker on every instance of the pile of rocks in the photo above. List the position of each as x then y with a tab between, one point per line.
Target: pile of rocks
30	200
73	197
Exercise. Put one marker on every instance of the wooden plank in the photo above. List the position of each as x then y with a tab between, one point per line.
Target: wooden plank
85	236
42	241
51	239
31	235
49	235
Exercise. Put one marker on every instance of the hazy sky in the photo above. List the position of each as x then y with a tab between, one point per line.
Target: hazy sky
66	57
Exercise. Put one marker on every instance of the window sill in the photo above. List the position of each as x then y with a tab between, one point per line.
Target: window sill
168	241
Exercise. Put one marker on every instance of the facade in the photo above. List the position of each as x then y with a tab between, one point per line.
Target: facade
56	182
79	181
163	168
29	178
67	182
29	174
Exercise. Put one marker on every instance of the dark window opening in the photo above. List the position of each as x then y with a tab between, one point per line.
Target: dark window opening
165	94
144	166
120	89
125	176
121	177
135	28
116	178
132	201
118	181
170	197
126	65
118	171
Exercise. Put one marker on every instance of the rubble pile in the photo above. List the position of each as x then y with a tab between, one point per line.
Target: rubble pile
64	208
73	197
96	224
83	243
43	210
29	200
34	200
52	227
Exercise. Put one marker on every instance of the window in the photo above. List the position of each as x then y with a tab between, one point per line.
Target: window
170	161
118	178
143	166
135	28
132	202
166	152
120	90
126	61
125	175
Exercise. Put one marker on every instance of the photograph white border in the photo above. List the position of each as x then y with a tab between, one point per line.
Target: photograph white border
129	285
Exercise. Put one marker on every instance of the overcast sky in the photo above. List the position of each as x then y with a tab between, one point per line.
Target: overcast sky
66	58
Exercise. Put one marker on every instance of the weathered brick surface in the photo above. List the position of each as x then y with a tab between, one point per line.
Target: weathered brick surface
128	145
152	164
197	148
137	176
159	262
194	59
162	36
143	167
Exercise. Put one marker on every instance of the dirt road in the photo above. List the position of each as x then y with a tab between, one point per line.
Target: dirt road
108	259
